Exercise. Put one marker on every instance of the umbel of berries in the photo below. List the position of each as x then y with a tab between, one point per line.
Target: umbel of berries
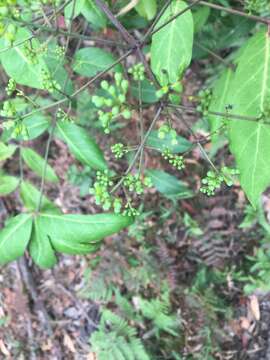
113	103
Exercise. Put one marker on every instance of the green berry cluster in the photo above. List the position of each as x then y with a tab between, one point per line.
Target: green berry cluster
101	191
257	6
30	53
8	10
165	130
11	87
134	183
205	97
113	103
48	82
137	72
212	182
63	116
118	150
176	161
60	52
130	210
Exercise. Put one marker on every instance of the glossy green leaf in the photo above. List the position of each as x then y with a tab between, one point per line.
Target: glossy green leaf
169	185
30	196
249	95
81	234
40	246
160	144
6	151
90	61
81	145
171	48
7	184
17	65
36	163
218	102
14	237
147	8
94	15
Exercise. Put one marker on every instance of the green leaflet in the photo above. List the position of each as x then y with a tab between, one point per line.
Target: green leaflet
218	102
37	163
81	144
30	196
7	184
171	48
6	151
94	15
161	144
74	8
92	60
249	95
169	185
36	125
40	246
14	237
81	234
147	8
17	65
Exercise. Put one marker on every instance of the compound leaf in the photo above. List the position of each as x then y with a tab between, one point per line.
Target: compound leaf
81	234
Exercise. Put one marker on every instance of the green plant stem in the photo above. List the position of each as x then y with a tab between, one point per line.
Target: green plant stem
236	12
46	157
141	123
216	113
140	148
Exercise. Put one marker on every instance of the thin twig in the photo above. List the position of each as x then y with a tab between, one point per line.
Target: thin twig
46	157
140	148
216	113
236	12
196	2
